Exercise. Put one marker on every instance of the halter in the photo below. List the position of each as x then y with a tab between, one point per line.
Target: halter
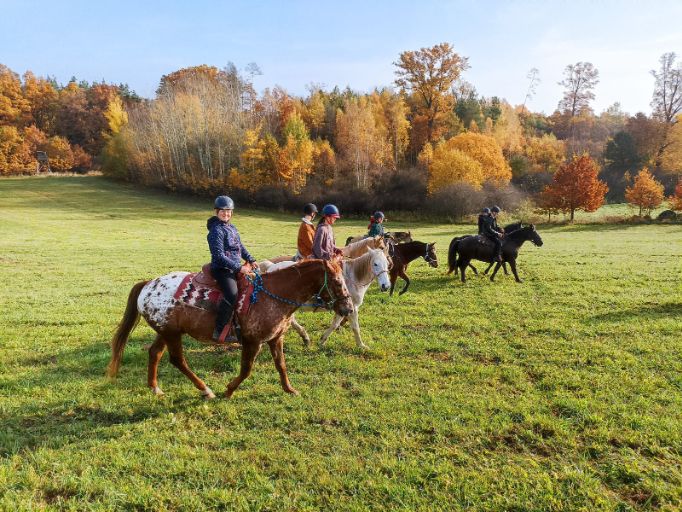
426	255
258	287
376	275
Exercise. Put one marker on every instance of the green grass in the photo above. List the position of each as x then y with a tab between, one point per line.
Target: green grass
561	393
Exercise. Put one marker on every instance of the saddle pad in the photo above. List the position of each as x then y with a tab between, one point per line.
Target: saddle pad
198	295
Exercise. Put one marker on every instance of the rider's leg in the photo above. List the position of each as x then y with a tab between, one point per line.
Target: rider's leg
227	281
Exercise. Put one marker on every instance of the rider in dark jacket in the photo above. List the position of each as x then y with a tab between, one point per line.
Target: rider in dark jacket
227	252
492	231
485	212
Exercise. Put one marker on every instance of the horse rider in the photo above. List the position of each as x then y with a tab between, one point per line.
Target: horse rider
306	232
485	212
493	232
376	227
227	251
324	246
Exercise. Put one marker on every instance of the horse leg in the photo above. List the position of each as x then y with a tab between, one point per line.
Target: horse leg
355	323
156	351
406	279
489	267
334	325
473	268
249	353
462	268
504	267
394	278
178	360
301	331
497	267
277	351
512	264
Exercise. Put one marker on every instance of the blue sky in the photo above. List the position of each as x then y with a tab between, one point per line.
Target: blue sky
353	43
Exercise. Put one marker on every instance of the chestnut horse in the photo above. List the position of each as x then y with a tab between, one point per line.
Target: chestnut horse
403	254
280	295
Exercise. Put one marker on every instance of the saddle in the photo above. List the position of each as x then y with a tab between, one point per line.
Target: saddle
200	290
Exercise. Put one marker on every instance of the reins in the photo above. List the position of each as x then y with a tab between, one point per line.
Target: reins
258	287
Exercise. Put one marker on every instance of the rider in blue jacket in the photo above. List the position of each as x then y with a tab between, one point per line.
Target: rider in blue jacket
227	251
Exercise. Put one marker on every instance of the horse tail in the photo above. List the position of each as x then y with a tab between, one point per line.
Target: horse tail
452	254
128	323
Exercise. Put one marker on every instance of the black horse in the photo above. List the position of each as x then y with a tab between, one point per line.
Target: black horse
479	248
403	254
452	251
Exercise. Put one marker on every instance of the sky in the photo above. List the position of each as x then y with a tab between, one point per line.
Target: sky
348	43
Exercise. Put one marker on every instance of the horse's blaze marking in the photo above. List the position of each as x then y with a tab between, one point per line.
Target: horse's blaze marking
157	297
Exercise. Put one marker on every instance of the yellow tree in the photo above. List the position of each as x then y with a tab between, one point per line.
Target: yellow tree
507	131
486	151
15	155
646	192
115	151
676	198
359	141
390	117
545	153
42	98
428	74
296	156
14	108
324	161
450	165
671	157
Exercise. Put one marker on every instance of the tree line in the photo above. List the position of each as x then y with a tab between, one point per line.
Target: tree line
429	142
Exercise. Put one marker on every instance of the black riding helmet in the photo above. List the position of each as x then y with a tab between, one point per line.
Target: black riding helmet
309	209
496	209
223	203
486	210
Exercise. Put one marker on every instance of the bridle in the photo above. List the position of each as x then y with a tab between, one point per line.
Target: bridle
258	287
426	256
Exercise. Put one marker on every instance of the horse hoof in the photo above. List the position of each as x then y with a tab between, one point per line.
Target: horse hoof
519	280
292	391
228	393
157	391
363	346
208	393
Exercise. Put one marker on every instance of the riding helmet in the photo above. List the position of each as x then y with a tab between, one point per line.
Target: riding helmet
223	203
486	210
496	209
330	209
309	209
378	215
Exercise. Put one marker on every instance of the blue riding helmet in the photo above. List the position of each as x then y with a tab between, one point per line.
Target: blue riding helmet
330	209
223	203
378	215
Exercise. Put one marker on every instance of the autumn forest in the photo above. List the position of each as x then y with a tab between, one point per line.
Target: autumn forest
431	142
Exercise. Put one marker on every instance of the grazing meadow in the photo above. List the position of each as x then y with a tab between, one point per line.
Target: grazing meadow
560	393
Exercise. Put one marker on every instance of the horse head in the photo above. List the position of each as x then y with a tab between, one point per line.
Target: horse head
334	289
380	267
535	236
431	257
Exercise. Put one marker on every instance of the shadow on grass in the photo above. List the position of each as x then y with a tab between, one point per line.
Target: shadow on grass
648	311
76	401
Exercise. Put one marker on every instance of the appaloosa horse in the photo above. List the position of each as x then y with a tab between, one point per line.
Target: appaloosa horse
452	251
403	254
267	320
480	248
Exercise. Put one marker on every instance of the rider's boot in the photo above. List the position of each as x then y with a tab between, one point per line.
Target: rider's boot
223	316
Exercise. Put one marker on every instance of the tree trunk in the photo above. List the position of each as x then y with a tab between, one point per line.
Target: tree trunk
572	214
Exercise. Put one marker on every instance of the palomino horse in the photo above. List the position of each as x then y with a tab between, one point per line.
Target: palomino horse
403	254
267	321
397	237
476	247
358	274
452	251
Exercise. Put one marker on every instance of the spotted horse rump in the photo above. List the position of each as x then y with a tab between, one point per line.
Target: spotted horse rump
197	290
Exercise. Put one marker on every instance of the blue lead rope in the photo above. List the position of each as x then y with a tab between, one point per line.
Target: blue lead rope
258	287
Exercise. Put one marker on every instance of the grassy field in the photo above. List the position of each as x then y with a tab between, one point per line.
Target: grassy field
561	393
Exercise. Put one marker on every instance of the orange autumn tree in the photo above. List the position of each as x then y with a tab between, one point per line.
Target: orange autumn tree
646	192
676	198
576	187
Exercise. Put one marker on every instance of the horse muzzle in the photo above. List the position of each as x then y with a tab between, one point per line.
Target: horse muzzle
344	307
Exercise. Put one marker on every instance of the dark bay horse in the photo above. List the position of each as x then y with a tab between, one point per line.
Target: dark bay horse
266	322
477	247
452	251
403	254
